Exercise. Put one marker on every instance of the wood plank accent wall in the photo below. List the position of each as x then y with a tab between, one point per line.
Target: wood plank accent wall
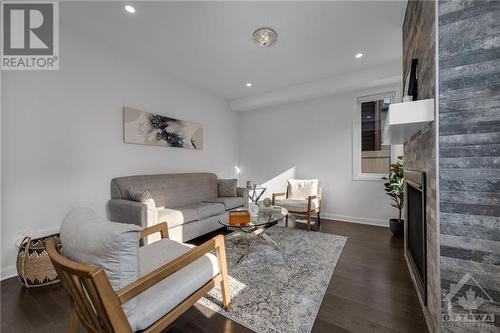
420	150
469	148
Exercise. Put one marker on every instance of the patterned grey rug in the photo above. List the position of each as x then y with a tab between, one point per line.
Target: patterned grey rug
279	291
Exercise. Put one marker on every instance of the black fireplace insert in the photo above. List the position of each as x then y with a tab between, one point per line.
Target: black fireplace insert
415	231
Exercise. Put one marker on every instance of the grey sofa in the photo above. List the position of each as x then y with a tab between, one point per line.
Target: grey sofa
189	203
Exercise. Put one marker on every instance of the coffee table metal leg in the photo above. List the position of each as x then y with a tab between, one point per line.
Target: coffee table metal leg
247	250
270	240
251	237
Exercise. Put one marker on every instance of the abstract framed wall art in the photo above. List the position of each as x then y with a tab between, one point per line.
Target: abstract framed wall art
146	128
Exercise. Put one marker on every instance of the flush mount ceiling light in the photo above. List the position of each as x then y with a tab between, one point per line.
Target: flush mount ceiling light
358	55
249	84
265	36
130	9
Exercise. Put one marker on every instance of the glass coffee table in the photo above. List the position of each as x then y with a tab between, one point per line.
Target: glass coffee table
255	229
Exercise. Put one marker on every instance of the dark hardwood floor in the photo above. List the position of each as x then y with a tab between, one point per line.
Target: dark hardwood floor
370	291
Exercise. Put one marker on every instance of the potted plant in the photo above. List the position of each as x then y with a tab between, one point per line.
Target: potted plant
394	188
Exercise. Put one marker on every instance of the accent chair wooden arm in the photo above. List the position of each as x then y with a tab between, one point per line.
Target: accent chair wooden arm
280	194
160	227
309	202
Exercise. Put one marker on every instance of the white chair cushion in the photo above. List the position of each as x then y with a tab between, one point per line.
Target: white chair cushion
300	189
294	205
157	301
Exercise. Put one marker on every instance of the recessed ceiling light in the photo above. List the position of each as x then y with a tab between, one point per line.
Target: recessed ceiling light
265	36
358	55
249	84
130	9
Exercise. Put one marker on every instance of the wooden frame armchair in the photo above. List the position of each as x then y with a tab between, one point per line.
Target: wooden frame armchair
98	307
313	206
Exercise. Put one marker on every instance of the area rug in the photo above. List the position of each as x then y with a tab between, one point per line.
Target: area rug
279	291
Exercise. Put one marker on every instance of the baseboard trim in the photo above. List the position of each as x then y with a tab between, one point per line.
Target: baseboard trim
8	272
355	219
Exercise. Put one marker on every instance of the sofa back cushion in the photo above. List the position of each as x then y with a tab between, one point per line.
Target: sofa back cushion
228	187
300	189
169	190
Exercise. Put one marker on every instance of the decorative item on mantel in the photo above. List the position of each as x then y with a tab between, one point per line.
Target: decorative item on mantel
394	188
34	267
410	87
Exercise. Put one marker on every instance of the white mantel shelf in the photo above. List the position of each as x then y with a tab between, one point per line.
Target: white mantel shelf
406	119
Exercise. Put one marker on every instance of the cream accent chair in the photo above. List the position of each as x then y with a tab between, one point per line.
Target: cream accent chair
302	197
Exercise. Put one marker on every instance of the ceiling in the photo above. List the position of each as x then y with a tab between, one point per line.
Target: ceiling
209	44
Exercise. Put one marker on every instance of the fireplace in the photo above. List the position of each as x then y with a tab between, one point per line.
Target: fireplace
415	231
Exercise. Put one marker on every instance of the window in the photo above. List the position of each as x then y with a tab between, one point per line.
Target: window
371	157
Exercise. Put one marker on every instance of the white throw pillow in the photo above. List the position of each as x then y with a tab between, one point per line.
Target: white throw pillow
300	189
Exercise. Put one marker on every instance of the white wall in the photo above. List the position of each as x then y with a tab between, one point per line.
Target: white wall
62	135
311	139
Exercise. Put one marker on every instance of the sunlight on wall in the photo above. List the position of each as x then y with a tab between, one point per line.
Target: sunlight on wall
278	183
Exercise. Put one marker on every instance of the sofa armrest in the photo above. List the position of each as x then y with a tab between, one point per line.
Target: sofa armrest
241	192
126	211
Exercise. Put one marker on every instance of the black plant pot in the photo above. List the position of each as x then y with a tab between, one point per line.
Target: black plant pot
397	227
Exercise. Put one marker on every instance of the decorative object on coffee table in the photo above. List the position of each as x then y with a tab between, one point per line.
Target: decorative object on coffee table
253	209
33	263
239	217
394	188
267	202
257	227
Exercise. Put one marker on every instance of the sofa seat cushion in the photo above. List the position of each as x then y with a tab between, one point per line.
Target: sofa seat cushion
229	202
208	209
177	216
189	213
157	301
295	205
